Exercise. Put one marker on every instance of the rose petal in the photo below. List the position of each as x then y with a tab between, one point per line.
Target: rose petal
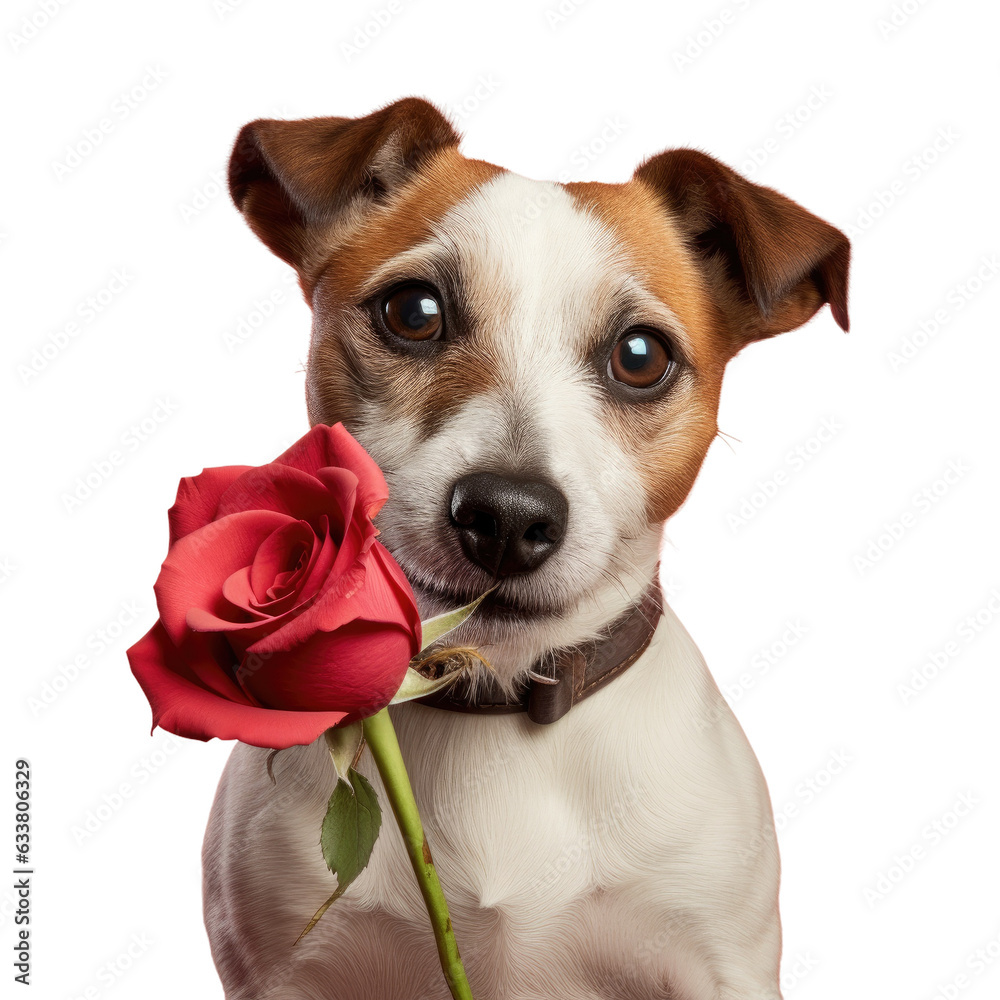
300	624
385	596
356	670
392	574
274	555
209	662
262	621
318	571
324	447
374	592
186	708
198	498
293	492
341	582
237	591
197	565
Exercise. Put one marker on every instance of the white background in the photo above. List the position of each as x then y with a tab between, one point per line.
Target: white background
116	870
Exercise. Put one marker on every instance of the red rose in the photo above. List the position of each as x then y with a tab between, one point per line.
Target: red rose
280	613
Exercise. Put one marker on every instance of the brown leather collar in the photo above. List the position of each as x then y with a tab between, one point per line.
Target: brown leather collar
578	671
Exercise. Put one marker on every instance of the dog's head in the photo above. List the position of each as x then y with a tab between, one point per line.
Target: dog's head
535	366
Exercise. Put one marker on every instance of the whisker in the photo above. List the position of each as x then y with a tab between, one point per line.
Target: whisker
727	438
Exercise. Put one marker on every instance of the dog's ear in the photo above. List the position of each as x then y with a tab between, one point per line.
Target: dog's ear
770	264
292	179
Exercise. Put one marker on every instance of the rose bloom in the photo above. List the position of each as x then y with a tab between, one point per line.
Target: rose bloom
281	615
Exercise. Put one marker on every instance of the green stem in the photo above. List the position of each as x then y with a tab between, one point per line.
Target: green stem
381	738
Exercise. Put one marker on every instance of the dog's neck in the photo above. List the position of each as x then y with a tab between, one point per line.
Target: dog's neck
573	673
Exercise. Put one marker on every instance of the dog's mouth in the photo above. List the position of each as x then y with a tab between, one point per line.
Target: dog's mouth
498	605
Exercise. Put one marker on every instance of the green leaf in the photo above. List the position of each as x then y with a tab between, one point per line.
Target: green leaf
350	829
415	685
434	628
344	744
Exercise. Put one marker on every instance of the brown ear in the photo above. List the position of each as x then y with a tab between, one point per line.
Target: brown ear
291	179
771	263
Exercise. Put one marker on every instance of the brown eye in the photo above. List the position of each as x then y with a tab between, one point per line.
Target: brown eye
414	312
640	359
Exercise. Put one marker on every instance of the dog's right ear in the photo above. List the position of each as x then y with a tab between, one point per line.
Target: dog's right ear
771	263
293	179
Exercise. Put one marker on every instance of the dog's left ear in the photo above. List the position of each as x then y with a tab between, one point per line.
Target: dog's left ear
770	264
293	180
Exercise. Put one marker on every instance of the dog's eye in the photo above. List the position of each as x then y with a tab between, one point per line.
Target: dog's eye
414	313
640	359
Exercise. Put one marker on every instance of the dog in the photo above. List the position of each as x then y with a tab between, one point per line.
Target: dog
536	367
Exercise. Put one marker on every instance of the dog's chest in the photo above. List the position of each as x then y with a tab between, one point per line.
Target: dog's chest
567	852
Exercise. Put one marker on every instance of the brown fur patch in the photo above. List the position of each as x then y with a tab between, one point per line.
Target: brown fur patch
771	263
662	262
669	440
347	361
406	221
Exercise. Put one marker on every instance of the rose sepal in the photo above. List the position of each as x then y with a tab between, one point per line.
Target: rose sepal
440	625
416	684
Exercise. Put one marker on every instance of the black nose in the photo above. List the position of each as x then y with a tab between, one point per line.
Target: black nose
507	525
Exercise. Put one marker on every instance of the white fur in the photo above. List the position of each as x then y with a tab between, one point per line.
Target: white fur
543	289
624	851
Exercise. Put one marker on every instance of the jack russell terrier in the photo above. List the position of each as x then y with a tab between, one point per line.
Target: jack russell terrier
536	368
